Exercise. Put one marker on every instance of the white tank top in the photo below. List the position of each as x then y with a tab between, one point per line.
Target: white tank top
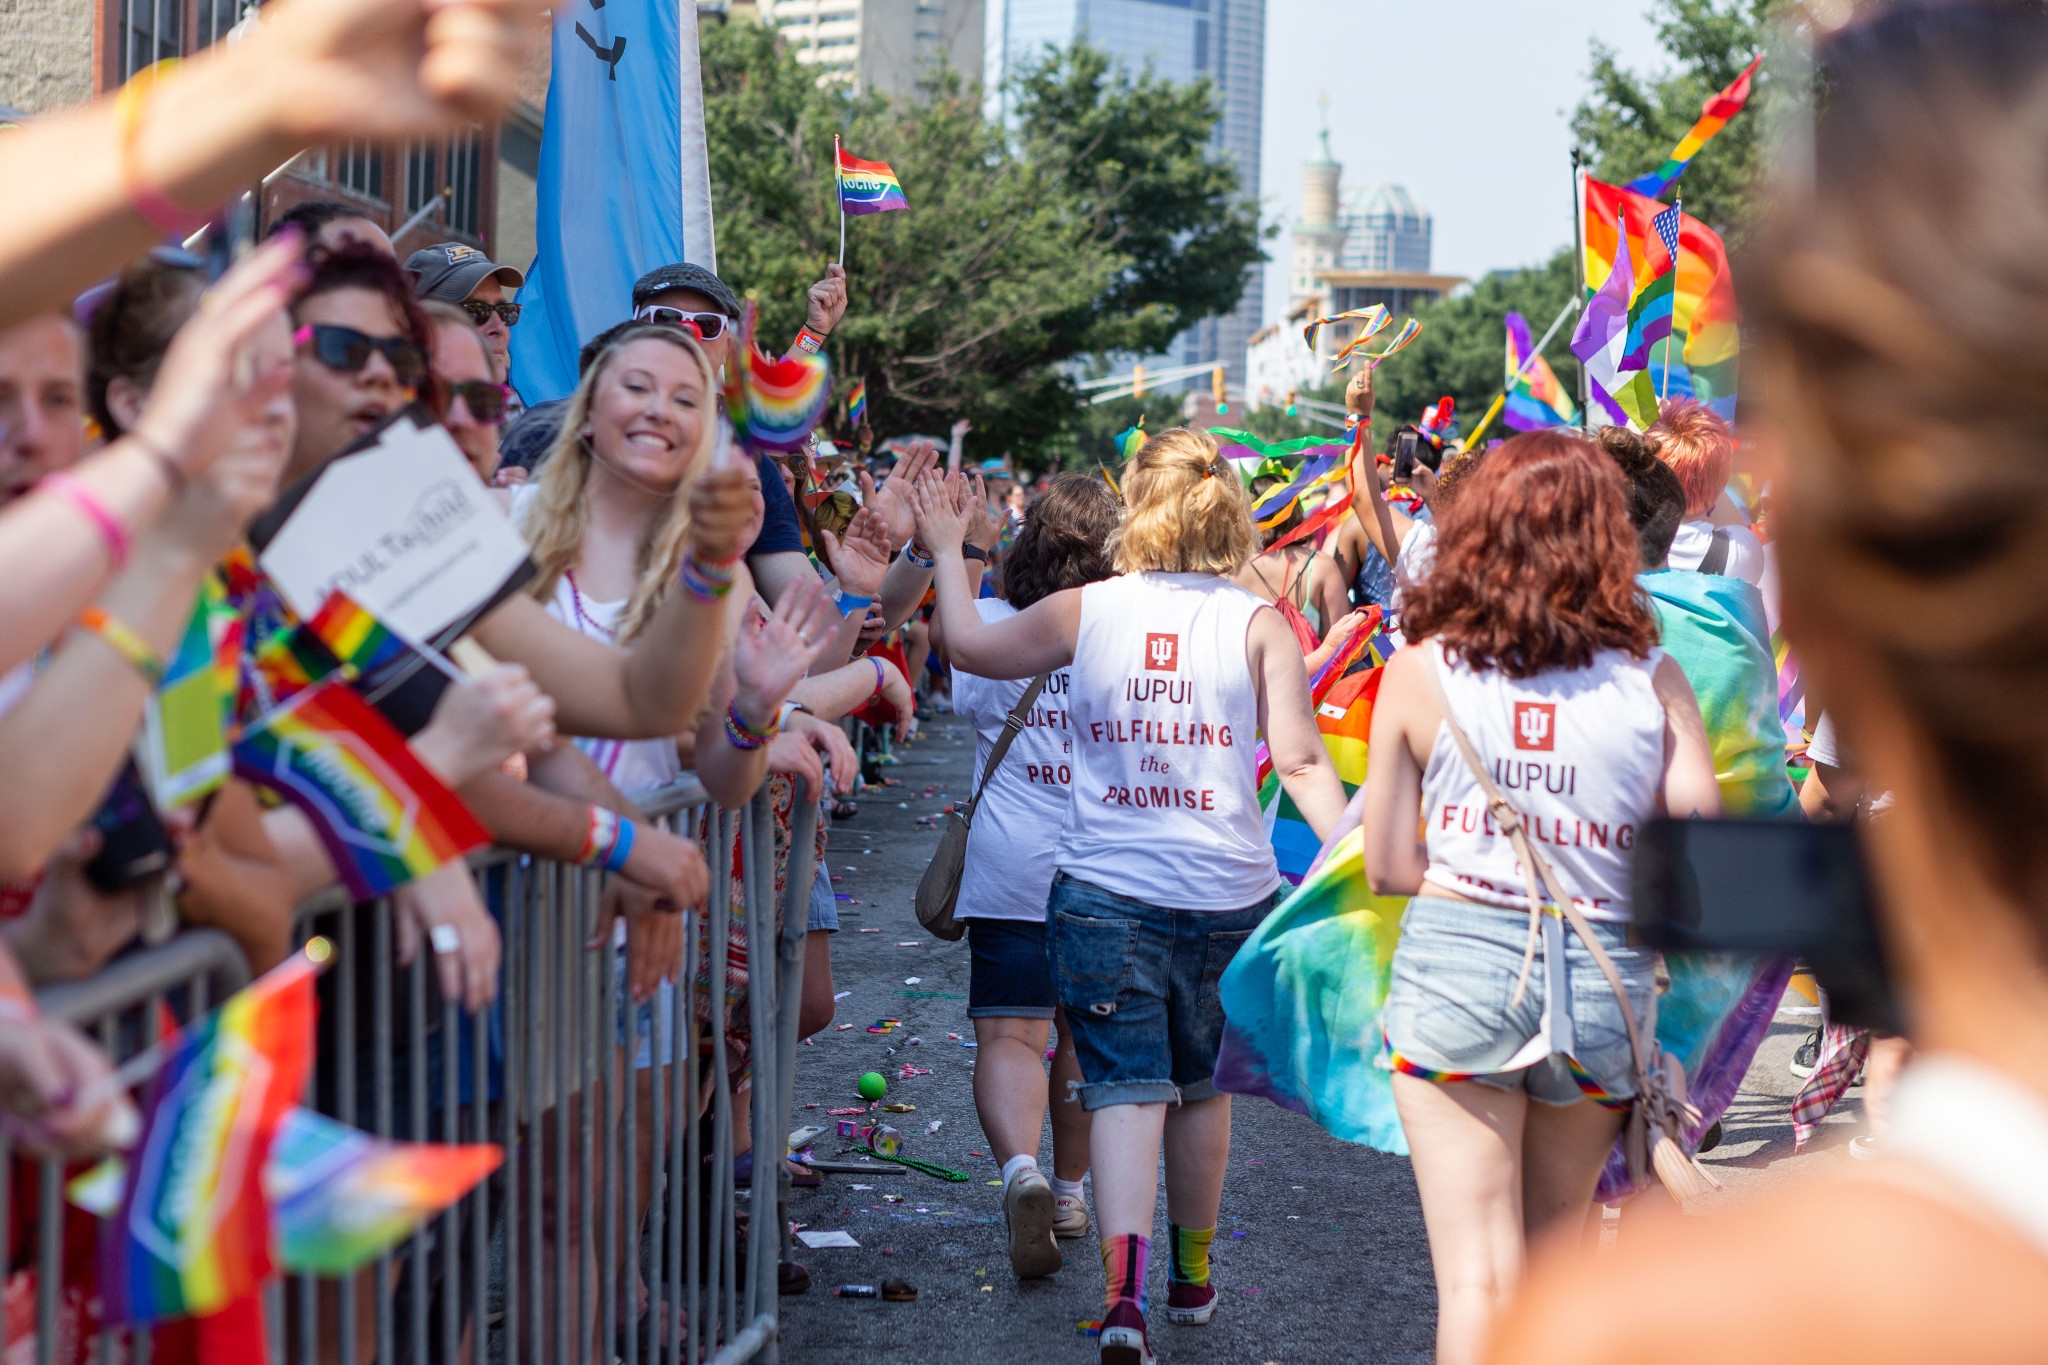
1165	804
1580	753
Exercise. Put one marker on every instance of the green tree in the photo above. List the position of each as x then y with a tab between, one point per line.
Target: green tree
1015	258
1630	121
1462	349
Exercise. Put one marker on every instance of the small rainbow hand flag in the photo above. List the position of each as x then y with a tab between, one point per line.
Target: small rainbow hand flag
193	1231
867	186
774	404
354	636
857	404
383	817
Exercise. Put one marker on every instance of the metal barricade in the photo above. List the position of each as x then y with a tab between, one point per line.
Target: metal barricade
614	1230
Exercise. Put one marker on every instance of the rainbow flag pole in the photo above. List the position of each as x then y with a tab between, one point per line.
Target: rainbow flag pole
1500	401
864	187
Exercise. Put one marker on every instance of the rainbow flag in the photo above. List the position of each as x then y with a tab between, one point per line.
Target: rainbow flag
867	186
773	403
1535	398
1618	224
193	1230
353	636
382	816
1714	116
341	1198
857	404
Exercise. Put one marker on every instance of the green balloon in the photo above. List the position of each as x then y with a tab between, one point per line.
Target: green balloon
872	1086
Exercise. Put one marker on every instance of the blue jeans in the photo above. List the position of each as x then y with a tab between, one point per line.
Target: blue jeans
1139	982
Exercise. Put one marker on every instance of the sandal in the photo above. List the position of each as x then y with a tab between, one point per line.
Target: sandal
842	809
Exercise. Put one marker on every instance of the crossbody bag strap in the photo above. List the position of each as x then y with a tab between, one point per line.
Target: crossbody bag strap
1511	824
1013	725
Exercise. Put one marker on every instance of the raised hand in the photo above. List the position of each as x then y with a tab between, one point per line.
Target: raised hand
861	557
772	656
891	501
942	521
721	511
825	304
984	529
1358	394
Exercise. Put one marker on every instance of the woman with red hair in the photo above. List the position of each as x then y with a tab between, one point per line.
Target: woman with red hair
1699	445
1512	1058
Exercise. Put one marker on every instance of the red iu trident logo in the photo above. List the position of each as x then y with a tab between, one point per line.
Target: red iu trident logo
1162	652
1535	725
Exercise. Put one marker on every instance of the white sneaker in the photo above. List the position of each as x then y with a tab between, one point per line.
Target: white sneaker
1070	1216
1028	1209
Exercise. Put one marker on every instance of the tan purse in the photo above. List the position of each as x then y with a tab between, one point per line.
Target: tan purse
939	889
1660	1112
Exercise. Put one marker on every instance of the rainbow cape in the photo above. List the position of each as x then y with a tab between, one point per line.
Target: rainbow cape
383	817
1714	116
773	403
1535	398
342	1198
192	1233
1618	224
867	186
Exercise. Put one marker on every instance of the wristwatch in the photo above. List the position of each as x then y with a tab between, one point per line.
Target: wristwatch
974	552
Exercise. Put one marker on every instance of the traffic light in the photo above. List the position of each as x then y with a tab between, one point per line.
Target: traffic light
1217	390
1137	381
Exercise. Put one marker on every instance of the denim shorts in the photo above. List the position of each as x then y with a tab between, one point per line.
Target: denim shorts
824	905
1139	983
1010	976
1448	1014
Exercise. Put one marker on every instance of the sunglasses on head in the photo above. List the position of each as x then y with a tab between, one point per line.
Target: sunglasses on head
485	400
347	350
706	326
480	312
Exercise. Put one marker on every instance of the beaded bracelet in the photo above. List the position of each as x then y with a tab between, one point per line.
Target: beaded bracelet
123	642
918	554
73	490
743	735
706	581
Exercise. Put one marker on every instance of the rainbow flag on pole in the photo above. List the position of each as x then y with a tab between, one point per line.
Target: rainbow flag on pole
1714	116
868	186
383	817
193	1230
354	636
1535	398
857	404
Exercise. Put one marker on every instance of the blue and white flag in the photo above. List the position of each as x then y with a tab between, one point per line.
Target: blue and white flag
625	184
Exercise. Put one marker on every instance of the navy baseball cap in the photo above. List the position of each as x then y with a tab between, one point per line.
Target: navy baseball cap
686	275
450	270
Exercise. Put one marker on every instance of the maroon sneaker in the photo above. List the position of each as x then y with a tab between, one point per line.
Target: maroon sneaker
1122	1341
1190	1305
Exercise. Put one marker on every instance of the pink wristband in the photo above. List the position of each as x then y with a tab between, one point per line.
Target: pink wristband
73	491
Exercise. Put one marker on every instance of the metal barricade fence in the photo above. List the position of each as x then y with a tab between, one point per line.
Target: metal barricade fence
613	1196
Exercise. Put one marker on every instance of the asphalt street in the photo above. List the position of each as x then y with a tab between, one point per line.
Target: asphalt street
1320	1254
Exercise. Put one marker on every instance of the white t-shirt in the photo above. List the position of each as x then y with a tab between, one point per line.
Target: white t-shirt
1166	794
1010	861
1745	551
1414	560
1579	753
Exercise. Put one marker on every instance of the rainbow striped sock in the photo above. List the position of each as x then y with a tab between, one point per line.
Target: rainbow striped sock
1189	1261
1123	1269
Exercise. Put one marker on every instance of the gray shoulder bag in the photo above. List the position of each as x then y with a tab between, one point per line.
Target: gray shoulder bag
939	888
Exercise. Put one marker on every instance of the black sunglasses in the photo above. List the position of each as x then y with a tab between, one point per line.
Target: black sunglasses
347	350
707	326
480	312
485	400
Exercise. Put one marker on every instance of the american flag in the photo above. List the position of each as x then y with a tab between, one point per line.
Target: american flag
1666	224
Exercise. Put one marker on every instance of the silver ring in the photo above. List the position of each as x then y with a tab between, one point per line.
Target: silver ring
445	938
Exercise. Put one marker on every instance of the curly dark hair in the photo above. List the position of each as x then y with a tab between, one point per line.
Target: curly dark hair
355	267
1656	498
1535	564
1064	541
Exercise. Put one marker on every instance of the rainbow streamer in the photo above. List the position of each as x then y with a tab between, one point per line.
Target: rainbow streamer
1372	321
1535	398
341	1198
1275	505
868	186
857	404
354	636
1714	116
383	817
774	404
193	1230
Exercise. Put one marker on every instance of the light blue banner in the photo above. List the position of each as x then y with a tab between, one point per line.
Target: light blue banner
624	184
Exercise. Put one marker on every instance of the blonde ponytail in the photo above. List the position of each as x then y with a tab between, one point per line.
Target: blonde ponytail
1185	510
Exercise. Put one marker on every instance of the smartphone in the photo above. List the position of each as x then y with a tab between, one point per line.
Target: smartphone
1783	888
134	845
1405	443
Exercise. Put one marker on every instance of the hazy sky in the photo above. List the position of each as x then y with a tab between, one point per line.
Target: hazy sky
1466	102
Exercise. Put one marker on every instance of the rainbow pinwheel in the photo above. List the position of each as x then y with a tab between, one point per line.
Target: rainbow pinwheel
773	403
